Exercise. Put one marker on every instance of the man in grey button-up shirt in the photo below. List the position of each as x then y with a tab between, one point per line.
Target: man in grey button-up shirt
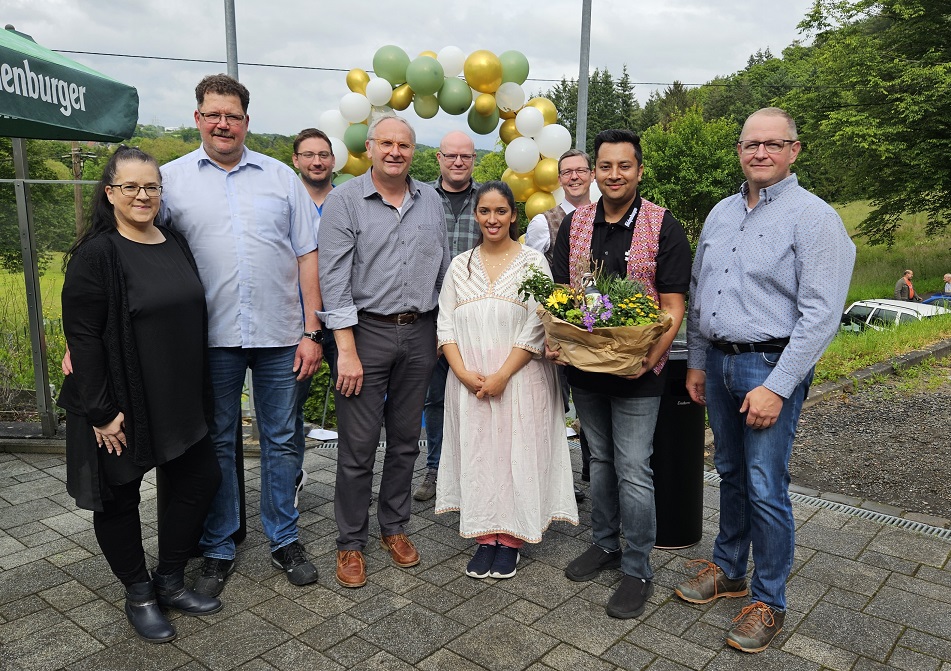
769	283
383	251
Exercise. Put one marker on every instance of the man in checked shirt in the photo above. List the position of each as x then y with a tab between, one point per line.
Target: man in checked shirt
768	286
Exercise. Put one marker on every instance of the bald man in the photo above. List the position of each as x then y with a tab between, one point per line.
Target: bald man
455	186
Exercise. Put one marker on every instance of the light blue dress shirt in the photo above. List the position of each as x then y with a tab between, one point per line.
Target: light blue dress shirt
246	227
781	270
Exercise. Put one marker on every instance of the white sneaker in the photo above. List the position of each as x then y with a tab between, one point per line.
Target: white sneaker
301	481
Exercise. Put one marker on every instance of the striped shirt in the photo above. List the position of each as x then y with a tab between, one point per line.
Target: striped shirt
377	257
780	270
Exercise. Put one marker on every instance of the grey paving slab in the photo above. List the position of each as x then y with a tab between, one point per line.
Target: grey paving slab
514	645
861	633
245	636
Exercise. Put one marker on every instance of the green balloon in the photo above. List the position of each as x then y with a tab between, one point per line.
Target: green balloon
341	178
355	137
514	67
425	106
483	125
455	96
424	75
390	62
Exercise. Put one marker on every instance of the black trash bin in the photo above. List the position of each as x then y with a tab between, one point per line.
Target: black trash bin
677	460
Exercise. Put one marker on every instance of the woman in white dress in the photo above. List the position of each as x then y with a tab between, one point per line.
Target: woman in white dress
505	465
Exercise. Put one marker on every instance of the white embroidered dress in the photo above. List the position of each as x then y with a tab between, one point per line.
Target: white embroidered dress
505	465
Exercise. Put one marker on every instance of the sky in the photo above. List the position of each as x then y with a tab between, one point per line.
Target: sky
660	41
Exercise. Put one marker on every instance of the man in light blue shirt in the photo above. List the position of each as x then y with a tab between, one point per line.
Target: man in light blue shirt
768	286
252	229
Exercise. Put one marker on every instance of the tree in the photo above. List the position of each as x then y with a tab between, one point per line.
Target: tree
880	105
690	165
425	165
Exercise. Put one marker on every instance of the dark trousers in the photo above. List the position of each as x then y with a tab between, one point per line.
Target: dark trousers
193	479
397	364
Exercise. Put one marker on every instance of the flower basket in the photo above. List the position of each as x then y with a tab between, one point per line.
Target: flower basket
617	350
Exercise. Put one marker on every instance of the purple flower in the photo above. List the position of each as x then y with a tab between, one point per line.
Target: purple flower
588	319
606	315
606	302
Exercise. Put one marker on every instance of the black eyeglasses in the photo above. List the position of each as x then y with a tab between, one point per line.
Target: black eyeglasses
466	158
215	118
132	190
771	146
567	172
309	155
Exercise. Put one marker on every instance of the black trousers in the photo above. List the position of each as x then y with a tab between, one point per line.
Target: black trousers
194	478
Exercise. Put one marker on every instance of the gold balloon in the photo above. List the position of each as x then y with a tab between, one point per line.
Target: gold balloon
507	115
356	164
431	54
508	131
357	81
485	104
483	71
538	202
546	175
401	98
546	107
522	184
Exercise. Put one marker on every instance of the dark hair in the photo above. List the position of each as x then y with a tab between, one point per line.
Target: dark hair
615	135
102	216
222	85
309	133
575	152
506	192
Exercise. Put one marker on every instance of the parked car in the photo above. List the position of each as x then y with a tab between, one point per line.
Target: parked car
941	300
879	313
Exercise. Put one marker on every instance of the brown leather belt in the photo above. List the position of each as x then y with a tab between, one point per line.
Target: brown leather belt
400	319
776	345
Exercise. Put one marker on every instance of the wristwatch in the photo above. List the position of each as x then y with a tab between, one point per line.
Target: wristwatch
317	336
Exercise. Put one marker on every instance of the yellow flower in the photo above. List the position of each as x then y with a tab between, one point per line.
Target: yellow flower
558	297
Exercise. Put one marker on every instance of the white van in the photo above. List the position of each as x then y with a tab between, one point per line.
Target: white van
879	313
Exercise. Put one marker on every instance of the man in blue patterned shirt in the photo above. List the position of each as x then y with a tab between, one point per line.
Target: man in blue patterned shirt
768	286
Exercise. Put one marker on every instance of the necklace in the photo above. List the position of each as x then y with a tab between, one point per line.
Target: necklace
502	260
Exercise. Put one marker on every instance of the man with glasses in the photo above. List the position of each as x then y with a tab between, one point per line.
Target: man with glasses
769	282
252	229
457	189
383	253
314	159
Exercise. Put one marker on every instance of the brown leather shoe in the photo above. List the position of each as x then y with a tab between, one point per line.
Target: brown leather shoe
351	568
401	549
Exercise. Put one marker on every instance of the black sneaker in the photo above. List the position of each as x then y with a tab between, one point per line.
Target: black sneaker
481	562
630	598
503	565
214	573
293	561
299	485
594	560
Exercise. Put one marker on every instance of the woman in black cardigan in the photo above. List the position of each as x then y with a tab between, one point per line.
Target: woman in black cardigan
137	397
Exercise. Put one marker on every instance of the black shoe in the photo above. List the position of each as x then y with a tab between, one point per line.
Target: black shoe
214	573
172	593
591	563
145	616
579	495
292	560
630	598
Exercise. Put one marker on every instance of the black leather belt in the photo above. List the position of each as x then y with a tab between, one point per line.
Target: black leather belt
400	319
775	345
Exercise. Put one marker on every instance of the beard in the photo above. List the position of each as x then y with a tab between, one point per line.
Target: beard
317	183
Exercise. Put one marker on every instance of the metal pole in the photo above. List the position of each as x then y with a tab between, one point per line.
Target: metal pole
231	39
31	276
77	188
581	127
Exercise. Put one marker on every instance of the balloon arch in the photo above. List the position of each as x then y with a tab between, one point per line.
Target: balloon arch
490	92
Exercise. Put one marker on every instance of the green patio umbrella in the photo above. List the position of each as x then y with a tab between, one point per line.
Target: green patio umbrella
47	96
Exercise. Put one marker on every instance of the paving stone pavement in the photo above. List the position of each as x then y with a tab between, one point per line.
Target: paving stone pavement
863	595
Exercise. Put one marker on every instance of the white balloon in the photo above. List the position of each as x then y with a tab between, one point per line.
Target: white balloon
559	195
354	107
510	97
529	121
553	140
595	192
379	91
522	154
341	154
451	59
333	123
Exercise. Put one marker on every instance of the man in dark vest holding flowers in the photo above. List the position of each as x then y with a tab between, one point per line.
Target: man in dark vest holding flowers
624	235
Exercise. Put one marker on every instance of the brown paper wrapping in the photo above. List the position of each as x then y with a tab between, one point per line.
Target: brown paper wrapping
617	350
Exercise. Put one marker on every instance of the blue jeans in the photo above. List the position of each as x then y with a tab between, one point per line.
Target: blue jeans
434	410
275	396
754	467
620	433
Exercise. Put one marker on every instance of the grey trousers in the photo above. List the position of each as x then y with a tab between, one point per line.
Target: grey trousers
397	365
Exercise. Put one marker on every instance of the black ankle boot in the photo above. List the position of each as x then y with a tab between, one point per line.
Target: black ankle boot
145	616
171	593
